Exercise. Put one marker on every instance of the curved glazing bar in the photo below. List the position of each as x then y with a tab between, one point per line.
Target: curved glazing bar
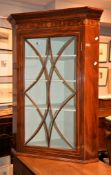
50	92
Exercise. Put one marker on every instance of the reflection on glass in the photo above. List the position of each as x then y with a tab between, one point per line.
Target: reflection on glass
50	92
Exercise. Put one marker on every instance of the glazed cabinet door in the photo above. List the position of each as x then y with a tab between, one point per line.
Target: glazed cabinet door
50	92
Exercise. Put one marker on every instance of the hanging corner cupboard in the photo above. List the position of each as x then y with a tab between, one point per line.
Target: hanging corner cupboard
56	83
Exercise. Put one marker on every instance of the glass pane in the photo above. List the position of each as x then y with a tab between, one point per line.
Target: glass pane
50	92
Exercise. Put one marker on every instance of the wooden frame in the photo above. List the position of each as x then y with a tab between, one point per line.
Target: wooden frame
5	92
103	75
5	38
103	52
5	79
109	81
5	67
5	63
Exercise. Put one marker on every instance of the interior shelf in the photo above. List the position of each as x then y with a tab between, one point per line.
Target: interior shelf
42	80
64	57
55	107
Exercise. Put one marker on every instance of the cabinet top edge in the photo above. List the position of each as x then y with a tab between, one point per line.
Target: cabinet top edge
78	12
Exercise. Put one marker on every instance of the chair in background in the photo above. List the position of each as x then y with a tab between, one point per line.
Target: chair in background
108	136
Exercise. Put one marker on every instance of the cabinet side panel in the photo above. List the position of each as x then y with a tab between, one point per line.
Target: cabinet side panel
91	51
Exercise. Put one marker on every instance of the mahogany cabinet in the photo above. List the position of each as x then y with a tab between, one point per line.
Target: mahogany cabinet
108	136
6	138
56	83
101	135
104	111
104	107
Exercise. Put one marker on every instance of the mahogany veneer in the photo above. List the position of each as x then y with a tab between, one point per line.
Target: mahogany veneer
6	138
